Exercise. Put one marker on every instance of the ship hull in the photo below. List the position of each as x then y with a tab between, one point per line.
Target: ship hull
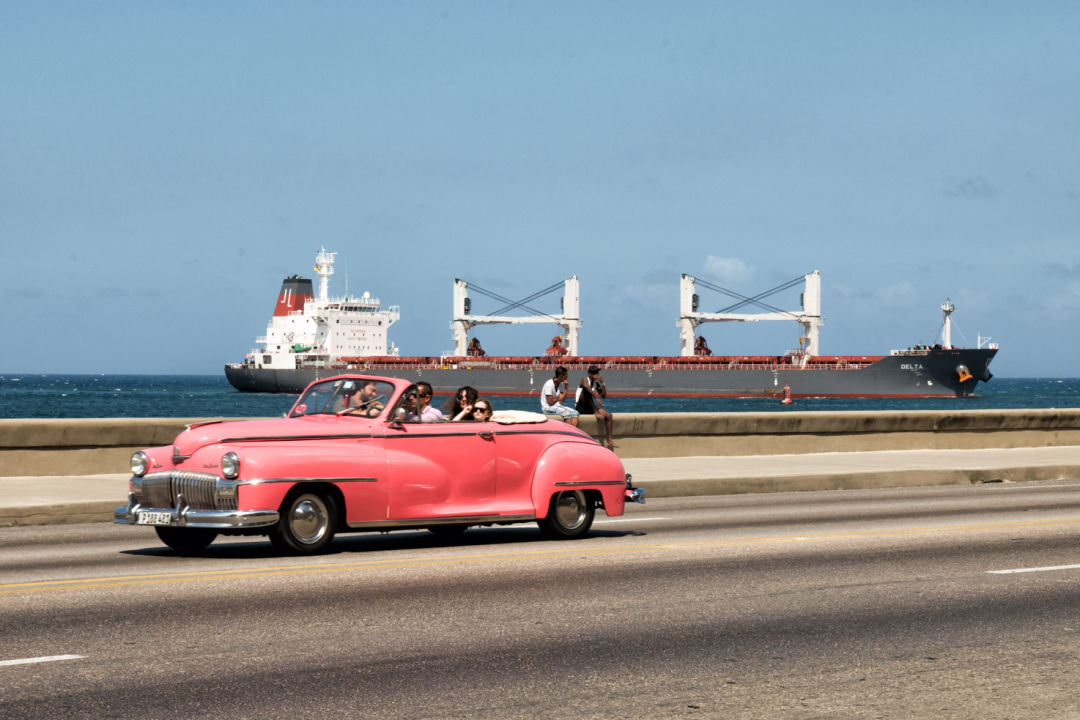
933	373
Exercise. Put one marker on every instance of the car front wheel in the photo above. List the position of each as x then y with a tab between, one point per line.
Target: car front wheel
570	515
306	525
186	540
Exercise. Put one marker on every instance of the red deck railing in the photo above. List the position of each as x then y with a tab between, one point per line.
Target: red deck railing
622	362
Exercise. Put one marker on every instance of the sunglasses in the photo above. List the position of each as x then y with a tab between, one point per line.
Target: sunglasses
481	410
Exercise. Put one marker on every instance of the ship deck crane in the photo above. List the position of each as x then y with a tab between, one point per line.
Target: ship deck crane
809	317
569	319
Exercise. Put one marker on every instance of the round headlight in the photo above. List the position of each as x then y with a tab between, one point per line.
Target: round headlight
230	465
139	463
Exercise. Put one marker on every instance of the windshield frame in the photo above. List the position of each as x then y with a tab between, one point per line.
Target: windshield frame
333	396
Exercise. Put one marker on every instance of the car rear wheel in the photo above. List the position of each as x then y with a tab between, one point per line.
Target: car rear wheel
186	540
306	525
570	515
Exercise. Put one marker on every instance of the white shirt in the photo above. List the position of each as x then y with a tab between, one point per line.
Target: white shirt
548	389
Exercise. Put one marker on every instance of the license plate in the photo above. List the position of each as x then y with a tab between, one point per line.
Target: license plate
154	518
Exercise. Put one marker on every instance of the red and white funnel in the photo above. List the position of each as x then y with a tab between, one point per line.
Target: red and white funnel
295	292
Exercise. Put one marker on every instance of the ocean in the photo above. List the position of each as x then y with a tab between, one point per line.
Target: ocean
201	396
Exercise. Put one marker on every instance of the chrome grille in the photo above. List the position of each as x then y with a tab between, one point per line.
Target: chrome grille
161	488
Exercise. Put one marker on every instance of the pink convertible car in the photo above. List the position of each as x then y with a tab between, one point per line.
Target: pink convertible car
346	458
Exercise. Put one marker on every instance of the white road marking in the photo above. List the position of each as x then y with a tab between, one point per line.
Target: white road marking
1036	569
49	658
627	519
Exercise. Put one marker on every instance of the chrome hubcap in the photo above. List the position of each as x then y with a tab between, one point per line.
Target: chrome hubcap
570	509
309	520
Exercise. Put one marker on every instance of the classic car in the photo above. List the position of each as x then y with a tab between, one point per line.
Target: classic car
350	456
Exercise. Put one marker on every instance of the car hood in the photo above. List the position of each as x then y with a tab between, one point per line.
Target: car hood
317	427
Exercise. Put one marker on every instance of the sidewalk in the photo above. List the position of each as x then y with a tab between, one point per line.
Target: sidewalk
675	477
91	498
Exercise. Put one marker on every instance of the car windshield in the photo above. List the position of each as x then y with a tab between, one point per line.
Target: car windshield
344	396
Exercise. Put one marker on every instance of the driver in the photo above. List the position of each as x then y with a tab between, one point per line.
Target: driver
423	410
366	402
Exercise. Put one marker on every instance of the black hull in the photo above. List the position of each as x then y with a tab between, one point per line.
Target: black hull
935	373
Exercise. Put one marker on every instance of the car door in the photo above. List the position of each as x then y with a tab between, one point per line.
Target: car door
517	449
363	480
440	470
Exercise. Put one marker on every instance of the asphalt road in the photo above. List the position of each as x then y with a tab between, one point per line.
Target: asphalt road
950	602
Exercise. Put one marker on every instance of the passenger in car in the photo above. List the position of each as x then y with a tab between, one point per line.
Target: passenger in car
463	398
479	411
482	410
424	412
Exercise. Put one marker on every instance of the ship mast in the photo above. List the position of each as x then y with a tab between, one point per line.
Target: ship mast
324	265
946	325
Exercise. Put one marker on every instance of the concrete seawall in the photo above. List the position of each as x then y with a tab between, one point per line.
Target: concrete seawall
732	434
67	471
86	446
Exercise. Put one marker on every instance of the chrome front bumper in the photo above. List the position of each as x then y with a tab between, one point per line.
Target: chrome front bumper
185	516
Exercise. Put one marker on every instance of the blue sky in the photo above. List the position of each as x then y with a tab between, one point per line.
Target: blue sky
164	165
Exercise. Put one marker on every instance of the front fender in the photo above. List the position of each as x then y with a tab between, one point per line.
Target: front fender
160	458
579	465
269	472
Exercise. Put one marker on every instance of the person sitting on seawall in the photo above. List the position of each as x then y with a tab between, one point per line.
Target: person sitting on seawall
552	396
366	402
463	398
424	412
479	411
590	401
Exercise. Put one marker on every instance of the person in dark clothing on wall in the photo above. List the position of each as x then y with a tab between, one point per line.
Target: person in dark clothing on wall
590	401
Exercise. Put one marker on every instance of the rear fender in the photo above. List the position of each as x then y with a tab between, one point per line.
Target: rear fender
579	465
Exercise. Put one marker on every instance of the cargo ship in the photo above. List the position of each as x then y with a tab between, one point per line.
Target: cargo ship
315	336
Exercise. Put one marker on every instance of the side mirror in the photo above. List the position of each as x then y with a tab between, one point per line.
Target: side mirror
396	418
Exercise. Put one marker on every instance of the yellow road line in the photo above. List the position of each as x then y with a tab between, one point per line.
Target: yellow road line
572	550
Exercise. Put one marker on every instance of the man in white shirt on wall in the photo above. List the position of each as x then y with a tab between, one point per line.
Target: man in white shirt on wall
552	396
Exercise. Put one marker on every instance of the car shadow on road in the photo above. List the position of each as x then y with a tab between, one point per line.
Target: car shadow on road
243	547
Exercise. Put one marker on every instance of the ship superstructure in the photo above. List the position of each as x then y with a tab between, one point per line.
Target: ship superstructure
318	331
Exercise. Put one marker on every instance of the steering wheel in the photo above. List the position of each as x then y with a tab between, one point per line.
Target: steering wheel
376	403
